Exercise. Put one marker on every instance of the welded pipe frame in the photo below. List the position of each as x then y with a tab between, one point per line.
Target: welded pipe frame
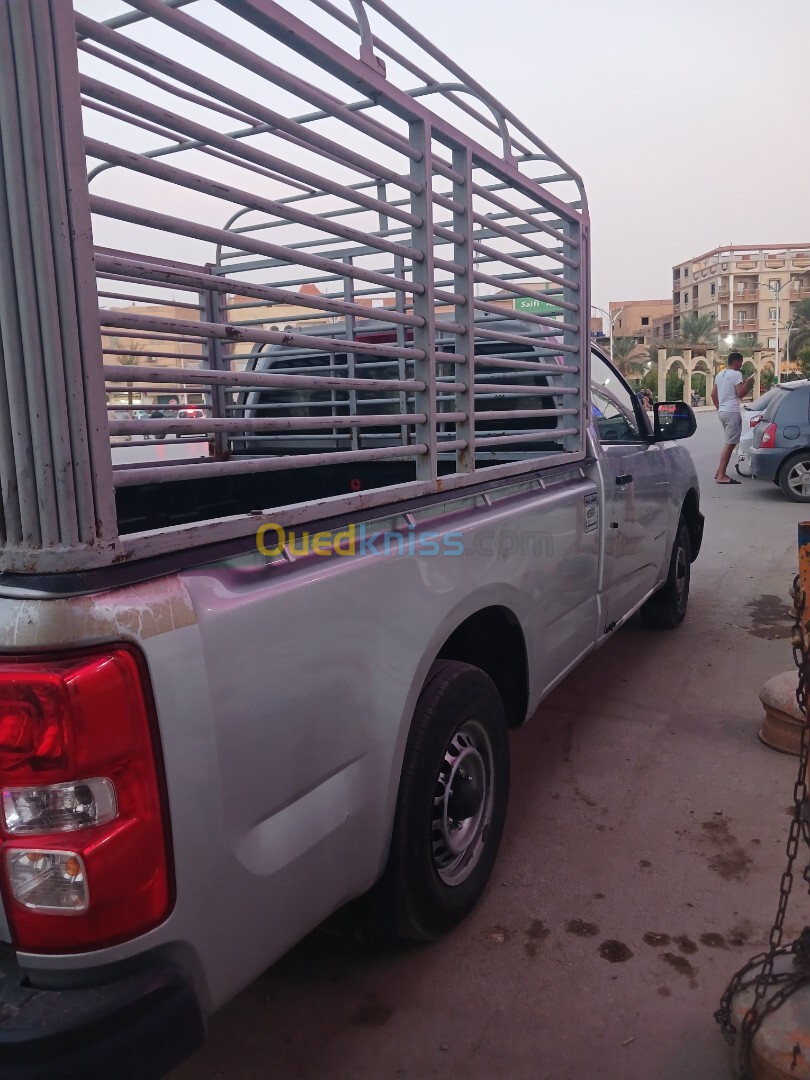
211	334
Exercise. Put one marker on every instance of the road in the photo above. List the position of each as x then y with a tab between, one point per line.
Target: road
642	804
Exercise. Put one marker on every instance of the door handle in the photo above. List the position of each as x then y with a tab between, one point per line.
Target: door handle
624	478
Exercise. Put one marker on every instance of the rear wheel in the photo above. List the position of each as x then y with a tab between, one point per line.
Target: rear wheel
451	808
794	478
666	609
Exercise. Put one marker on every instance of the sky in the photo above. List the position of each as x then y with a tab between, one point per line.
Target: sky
688	120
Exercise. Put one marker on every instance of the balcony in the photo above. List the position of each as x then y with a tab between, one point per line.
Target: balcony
723	327
723	297
745	326
749	296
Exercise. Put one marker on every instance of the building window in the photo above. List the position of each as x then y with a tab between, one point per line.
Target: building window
771	342
645	320
686	297
774	283
772	313
714	290
686	272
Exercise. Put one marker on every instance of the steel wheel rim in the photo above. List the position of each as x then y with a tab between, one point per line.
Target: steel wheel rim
465	782
799	478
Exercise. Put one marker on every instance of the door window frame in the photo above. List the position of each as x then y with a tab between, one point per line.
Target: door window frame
642	423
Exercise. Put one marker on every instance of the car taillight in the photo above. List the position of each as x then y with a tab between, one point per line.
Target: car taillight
768	436
755	419
85	860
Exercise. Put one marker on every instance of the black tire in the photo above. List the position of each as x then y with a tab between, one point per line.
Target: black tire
790	474
459	732
666	609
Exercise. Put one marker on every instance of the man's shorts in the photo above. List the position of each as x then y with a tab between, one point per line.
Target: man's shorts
732	427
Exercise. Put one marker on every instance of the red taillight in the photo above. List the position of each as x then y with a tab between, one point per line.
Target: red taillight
85	840
768	436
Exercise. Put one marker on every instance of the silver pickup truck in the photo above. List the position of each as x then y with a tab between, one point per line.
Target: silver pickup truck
267	669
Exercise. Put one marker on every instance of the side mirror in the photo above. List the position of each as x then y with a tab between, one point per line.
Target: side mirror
673	420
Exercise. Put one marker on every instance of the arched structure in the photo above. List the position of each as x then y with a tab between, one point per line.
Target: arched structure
703	364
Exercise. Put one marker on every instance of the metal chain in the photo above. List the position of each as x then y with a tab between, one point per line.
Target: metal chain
788	982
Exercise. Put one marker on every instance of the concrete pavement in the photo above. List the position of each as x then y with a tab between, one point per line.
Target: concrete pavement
639	869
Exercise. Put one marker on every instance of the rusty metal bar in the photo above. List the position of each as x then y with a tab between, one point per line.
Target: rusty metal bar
126	477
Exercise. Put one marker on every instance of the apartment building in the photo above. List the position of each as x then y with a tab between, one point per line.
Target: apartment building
635	318
750	290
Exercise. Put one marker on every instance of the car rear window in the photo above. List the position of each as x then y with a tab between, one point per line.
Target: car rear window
774	403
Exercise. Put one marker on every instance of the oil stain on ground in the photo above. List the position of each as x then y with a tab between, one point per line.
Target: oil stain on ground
713	941
685	944
537	934
656	940
538	931
581	928
615	952
769	617
679	964
729	859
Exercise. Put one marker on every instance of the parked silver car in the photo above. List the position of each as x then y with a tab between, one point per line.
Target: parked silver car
781	447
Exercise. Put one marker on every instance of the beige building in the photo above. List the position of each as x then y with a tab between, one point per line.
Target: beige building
635	318
152	349
751	291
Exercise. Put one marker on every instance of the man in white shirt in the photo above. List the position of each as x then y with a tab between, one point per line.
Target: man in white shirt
729	388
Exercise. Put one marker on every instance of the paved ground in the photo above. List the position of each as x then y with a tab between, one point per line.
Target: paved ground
642	804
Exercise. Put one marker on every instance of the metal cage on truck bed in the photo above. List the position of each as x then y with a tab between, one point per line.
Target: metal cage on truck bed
303	219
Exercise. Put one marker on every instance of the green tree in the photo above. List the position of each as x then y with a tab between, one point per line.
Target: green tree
674	385
623	347
803	360
698	331
799	335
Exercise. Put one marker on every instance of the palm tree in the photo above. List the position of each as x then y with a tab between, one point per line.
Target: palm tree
623	347
799	334
698	331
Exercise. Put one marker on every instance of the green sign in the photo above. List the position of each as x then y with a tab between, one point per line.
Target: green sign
538	307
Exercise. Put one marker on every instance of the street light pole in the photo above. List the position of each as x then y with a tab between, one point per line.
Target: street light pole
788	327
611	319
777	292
